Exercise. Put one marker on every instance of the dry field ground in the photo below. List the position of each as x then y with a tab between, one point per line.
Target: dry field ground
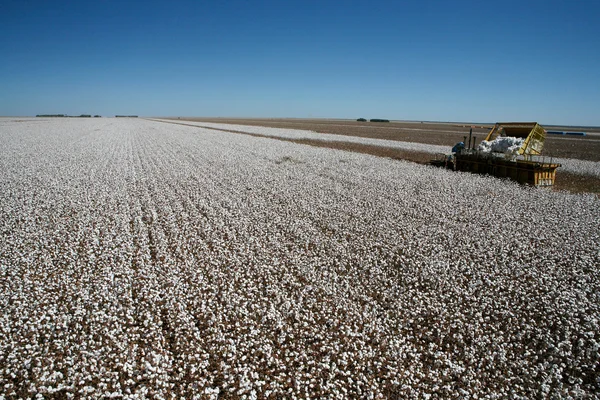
442	134
144	259
581	147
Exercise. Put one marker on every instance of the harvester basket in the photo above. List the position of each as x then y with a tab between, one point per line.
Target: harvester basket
532	132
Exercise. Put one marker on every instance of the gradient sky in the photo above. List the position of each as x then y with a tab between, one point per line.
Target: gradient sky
413	60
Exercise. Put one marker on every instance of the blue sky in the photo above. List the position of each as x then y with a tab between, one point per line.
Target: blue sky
414	60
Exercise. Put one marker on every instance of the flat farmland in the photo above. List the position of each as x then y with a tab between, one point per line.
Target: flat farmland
416	142
144	259
438	133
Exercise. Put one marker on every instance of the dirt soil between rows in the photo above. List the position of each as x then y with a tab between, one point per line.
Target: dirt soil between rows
444	134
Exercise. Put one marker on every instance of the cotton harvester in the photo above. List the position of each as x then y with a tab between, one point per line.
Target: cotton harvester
511	150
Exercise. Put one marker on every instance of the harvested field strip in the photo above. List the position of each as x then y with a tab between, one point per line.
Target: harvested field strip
575	166
444	134
310	135
578	175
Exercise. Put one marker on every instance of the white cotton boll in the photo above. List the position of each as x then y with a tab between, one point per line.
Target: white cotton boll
509	145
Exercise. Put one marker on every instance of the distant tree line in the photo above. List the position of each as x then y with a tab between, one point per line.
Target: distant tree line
373	120
81	116
66	116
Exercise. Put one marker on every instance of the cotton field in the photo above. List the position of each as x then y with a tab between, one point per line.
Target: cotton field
140	259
